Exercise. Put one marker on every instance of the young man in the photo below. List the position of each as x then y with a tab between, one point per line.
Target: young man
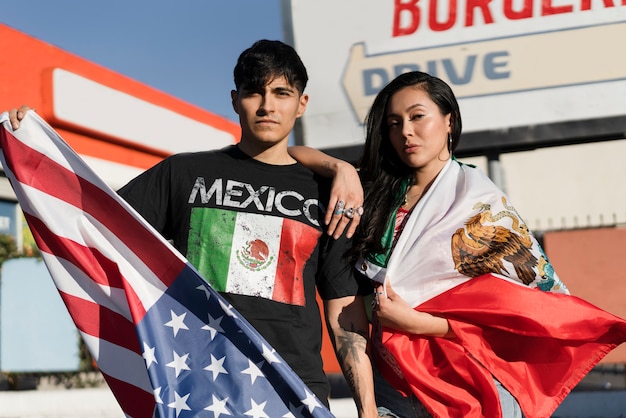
251	220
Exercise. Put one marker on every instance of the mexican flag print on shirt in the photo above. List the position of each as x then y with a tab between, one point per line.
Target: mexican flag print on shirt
251	254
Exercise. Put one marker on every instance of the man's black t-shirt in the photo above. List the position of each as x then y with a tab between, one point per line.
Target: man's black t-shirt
255	232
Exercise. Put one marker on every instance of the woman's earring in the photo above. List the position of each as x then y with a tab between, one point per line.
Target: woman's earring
450	143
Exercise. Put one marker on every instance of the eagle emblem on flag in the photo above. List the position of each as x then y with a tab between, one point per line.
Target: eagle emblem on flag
255	255
484	243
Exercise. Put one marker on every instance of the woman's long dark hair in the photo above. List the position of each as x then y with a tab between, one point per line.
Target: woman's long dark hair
383	174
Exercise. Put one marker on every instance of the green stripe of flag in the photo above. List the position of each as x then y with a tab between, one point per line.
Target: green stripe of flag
209	244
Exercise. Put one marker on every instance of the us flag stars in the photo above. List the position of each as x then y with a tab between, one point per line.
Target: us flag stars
206	360
216	367
218	407
179	363
177	322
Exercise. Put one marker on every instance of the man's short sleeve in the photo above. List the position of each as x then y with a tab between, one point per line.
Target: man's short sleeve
336	276
149	194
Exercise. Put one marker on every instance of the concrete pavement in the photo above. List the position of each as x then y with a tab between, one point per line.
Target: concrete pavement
99	402
92	403
602	394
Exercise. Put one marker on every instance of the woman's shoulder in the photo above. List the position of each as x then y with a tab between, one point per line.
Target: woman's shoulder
470	169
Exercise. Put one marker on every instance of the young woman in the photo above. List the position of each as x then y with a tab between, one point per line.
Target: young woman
469	318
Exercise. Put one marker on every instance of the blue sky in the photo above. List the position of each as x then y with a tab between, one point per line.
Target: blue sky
186	48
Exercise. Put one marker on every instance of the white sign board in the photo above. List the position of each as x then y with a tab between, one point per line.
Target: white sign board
511	63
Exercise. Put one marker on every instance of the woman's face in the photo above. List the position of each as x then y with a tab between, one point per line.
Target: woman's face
417	130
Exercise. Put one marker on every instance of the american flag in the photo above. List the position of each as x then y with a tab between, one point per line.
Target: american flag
167	343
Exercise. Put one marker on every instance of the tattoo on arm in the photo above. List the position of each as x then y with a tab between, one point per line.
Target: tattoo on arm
351	347
327	167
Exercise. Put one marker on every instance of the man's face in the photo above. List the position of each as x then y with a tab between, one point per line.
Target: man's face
267	115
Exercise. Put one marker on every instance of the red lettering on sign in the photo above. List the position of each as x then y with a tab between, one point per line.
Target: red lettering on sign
410	10
482	5
437	26
548	9
586	4
407	14
525	13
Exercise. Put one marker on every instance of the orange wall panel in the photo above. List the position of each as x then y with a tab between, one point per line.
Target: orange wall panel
331	365
26	65
591	263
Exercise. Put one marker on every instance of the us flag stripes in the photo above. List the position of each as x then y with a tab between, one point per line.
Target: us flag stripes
167	343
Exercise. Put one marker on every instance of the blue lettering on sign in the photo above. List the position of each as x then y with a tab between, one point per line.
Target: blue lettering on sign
496	70
374	80
454	78
494	67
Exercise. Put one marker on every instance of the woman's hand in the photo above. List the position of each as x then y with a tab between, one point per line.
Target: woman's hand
392	311
17	114
395	313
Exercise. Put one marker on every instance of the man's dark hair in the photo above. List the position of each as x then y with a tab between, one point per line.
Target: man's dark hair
266	60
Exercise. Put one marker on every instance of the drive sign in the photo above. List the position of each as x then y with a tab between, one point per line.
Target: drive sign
511	63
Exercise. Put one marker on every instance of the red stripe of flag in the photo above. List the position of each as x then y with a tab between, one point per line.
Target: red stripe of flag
101	322
89	260
297	242
100	269
135	402
55	180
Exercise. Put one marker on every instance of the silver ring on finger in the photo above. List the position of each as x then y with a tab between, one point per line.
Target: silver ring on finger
339	208
349	213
